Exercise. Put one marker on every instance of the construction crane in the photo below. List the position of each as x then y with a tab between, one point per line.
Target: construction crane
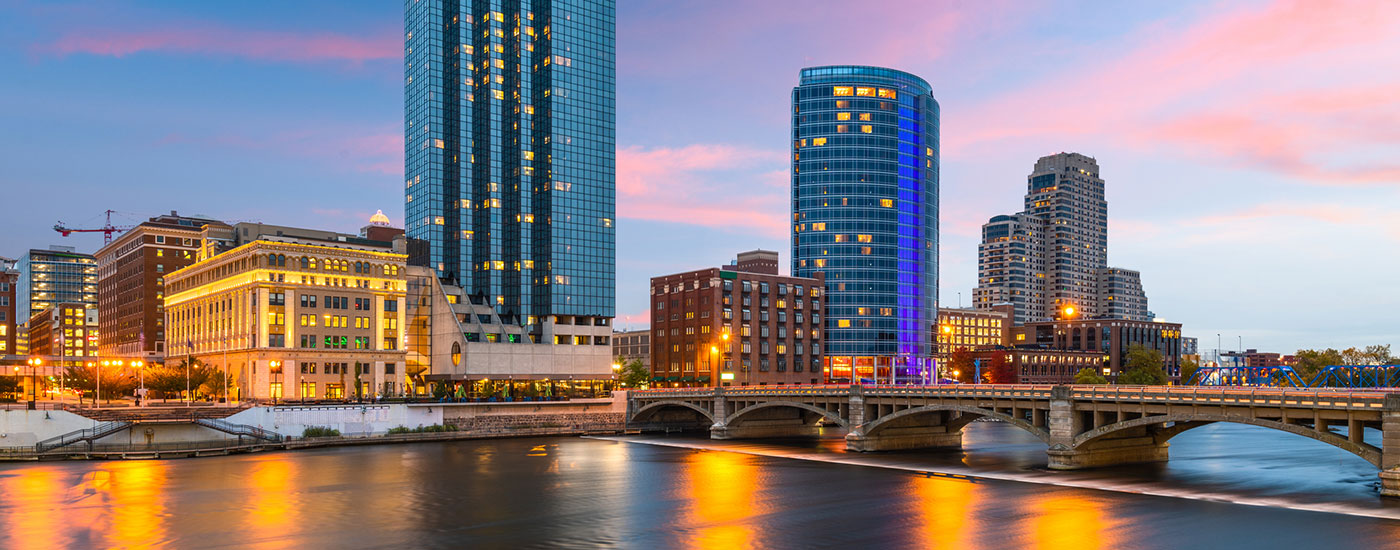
106	230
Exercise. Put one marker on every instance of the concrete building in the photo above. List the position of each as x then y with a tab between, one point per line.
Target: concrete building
1109	337
56	275
131	274
741	324
632	344
460	340
510	182
294	318
1255	358
1042	366
9	308
865	160
1054	253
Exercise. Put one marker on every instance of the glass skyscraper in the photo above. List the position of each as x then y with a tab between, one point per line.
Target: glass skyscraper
509	127
865	213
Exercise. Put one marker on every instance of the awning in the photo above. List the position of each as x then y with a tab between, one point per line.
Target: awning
657	378
673	378
687	379
702	379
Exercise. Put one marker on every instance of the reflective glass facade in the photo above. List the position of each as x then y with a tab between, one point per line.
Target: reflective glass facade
865	213
49	277
509	126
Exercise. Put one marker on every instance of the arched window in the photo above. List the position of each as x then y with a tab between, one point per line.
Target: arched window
313	263
305	262
456	354
271	260
281	261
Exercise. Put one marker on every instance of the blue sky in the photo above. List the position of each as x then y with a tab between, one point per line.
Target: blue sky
1250	148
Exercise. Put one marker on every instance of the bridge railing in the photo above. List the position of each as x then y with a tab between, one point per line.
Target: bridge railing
1226	396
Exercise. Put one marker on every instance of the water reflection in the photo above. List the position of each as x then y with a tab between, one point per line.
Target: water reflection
28	512
272	506
1069	521
135	494
945	510
720	487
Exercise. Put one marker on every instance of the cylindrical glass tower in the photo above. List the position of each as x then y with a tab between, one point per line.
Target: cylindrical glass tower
865	213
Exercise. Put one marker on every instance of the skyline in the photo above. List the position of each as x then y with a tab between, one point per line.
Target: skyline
1179	123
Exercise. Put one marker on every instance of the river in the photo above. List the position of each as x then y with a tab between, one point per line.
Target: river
1225	487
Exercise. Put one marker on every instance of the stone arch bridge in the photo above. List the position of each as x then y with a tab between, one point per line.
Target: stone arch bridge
1082	426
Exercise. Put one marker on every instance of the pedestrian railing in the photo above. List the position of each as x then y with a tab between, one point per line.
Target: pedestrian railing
89	434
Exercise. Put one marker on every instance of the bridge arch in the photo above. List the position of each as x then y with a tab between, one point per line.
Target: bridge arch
737	418
650	409
1183	422
970	414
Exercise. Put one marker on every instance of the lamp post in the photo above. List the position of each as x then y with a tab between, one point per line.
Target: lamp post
34	364
96	394
617	369
141	400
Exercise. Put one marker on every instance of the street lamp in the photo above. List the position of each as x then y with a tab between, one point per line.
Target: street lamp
275	367
142	373
34	364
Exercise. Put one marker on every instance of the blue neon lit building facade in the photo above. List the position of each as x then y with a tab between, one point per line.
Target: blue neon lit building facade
865	214
509	125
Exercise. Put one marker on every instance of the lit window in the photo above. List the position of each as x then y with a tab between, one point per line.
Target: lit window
865	117
841	90
819	226
866	129
840	238
863	238
865	92
928	151
865	250
819	262
843	116
439	220
842	128
843	104
887	93
819	141
887	203
844	323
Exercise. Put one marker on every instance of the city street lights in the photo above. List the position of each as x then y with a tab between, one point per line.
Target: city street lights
142	372
34	363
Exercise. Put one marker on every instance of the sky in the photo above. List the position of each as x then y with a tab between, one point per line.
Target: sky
1251	149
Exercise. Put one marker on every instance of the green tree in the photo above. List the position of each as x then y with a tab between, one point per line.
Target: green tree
167	380
634	374
1145	367
212	380
1310	361
1089	375
1188	370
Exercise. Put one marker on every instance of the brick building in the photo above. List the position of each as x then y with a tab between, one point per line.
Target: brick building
1109	337
741	324
131	274
9	308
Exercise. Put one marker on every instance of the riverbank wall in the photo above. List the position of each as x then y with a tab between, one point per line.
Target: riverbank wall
357	424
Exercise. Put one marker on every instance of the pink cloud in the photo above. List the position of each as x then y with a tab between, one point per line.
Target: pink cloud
1289	88
243	43
719	186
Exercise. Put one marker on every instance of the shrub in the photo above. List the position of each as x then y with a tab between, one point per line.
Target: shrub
435	428
320	431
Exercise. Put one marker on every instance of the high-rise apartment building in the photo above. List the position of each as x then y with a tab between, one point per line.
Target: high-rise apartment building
57	275
509	126
865	215
1051	259
131	273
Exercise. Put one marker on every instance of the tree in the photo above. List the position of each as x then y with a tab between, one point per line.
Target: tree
998	370
167	380
116	381
1310	361
1145	367
961	366
1188	370
9	385
1089	375
212	381
634	374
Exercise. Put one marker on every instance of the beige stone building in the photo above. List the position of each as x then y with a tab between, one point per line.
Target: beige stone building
295	318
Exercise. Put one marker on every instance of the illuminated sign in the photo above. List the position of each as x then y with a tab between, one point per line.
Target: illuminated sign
726	376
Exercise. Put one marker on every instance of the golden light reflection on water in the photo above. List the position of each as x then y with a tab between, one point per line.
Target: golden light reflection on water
1070	522
945	509
274	511
32	503
135	493
720	488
